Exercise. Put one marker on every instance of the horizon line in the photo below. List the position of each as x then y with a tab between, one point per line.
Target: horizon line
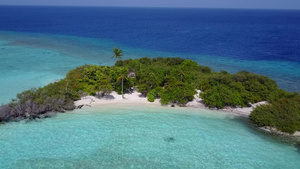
162	7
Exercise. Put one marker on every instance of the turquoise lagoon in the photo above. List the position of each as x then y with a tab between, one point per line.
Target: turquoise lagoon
129	136
34	60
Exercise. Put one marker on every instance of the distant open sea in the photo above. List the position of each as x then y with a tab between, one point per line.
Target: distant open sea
39	45
58	39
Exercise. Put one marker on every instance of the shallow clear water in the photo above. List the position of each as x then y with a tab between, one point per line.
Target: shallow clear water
139	137
25	67
34	60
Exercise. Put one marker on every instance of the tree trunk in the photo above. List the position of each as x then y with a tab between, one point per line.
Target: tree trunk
122	88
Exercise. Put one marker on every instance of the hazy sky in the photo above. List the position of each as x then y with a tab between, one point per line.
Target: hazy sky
265	4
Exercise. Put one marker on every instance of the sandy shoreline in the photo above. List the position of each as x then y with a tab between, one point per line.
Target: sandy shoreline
114	99
137	98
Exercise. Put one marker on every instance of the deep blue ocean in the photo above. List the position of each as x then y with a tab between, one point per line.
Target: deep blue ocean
39	45
261	41
240	34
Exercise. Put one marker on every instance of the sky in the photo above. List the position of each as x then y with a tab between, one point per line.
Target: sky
253	4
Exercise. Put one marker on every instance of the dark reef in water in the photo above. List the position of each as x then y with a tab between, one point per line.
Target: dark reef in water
169	139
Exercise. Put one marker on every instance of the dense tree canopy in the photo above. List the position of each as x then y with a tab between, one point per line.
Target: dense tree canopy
223	89
283	114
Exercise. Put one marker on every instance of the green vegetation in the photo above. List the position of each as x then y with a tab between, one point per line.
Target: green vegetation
151	95
223	89
283	114
173	80
118	53
55	97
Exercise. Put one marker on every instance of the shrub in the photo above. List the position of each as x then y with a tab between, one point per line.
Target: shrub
151	95
283	114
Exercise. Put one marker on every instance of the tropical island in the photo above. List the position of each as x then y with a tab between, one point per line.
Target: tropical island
173	81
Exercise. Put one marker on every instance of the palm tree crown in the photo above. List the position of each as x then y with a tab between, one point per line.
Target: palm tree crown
117	53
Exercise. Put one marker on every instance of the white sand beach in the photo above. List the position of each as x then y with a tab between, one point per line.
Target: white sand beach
137	98
243	111
113	98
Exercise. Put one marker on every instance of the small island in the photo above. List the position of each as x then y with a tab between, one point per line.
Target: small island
173	81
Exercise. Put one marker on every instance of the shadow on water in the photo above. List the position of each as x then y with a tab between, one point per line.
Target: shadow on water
298	146
169	139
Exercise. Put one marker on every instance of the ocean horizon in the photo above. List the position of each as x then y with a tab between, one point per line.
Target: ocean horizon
261	41
40	44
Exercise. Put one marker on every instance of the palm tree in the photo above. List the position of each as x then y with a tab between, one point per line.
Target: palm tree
167	65
122	76
181	72
117	53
